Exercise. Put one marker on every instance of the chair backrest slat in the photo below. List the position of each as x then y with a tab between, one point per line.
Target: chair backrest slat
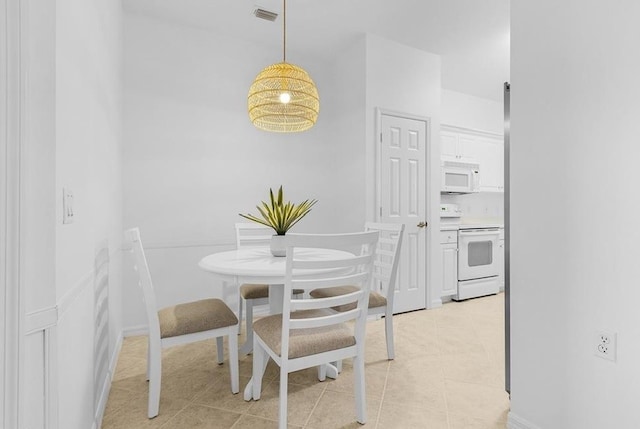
318	322
334	301
252	235
329	263
324	282
389	253
344	269
385	271
132	236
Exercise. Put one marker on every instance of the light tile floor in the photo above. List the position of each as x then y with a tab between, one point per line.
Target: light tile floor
448	374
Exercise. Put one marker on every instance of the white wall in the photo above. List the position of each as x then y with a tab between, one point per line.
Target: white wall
468	111
407	80
35	102
193	160
89	162
6	224
574	204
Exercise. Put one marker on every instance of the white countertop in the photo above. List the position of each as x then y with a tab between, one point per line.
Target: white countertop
449	227
479	225
464	225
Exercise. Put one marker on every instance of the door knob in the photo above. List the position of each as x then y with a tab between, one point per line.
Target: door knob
422	224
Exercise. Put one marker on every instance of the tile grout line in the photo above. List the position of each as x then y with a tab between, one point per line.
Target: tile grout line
444	376
443	323
384	390
274	381
163	425
324	390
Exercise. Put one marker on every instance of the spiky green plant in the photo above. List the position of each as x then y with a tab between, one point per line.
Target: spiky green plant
279	215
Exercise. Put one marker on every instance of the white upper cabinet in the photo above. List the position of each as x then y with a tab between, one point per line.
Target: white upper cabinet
485	148
458	146
449	144
491	159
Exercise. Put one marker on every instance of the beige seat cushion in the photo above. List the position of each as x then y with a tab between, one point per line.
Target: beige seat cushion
303	342
253	291
375	299
194	317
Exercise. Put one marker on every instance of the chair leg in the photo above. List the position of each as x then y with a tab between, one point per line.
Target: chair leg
240	314
388	325
322	372
155	374
331	370
148	357
233	362
220	350
358	375
249	320
260	360
282	413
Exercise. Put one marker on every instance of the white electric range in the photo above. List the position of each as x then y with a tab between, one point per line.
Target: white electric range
478	254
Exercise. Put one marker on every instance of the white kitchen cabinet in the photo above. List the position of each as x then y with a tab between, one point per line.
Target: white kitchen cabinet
484	147
449	144
458	146
501	261
491	159
449	247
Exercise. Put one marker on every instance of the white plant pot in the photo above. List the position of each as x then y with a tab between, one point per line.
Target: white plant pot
278	247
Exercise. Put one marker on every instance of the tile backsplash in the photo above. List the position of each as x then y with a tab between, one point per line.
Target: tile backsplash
478	205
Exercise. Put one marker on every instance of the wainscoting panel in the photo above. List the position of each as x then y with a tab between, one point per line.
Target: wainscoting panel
33	412
75	362
101	325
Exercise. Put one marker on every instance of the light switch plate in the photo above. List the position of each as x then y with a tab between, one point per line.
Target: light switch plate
67	205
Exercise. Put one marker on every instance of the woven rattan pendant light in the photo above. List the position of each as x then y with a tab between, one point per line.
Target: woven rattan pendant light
283	97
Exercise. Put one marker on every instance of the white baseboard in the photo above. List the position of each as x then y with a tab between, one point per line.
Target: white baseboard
134	331
104	396
436	303
515	422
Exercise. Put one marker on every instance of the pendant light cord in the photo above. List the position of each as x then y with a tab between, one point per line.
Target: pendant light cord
284	31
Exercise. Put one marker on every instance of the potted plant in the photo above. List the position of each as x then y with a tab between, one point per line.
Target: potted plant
281	217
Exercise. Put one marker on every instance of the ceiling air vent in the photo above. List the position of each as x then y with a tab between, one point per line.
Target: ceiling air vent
265	14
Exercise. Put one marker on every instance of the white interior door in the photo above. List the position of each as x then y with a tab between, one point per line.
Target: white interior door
402	199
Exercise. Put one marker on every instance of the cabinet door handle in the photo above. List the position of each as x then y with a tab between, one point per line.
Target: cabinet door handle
422	224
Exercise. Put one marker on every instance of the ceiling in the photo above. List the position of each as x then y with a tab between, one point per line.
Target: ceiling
471	36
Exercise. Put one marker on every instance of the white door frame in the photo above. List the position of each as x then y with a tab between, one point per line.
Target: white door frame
375	200
11	326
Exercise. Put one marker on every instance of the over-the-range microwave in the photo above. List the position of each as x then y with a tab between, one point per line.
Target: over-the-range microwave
460	177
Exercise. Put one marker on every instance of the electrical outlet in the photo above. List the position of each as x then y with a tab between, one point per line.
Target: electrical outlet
605	345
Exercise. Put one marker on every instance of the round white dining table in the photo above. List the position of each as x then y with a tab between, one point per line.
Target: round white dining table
258	262
258	266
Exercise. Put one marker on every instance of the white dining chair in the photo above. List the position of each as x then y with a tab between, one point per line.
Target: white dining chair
307	333
253	235
385	273
180	324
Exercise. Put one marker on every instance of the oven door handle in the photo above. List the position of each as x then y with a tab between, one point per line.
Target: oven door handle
477	233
